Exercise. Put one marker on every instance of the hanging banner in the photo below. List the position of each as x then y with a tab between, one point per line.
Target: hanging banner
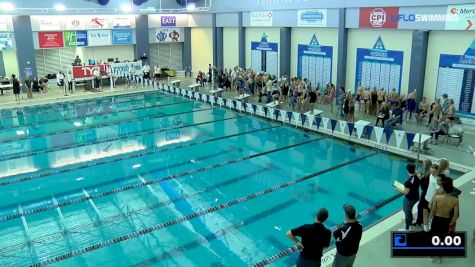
261	18
121	22
312	18
378	131
122	37
379	17
456	78
314	62
378	67
75	23
342	126
359	130
6	41
311	118
87	71
124	67
98	23
399	136
325	123
264	56
75	38
168	21
460	17
99	37
50	39
48	23
169	35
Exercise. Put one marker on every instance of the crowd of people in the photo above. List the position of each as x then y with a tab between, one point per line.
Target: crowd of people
433	189
437	213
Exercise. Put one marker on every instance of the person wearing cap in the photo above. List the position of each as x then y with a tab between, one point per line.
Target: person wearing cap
411	192
313	238
347	239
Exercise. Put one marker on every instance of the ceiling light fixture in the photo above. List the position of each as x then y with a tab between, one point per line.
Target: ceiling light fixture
7	6
59	7
126	7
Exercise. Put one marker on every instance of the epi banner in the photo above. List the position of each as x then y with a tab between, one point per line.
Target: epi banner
48	23
75	23
312	18
261	18
460	17
379	17
50	39
75	38
169	35
121	36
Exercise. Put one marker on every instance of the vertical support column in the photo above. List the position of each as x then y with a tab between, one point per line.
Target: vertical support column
285	50
417	69
25	48
187	48
142	47
2	65
219	51
342	51
242	42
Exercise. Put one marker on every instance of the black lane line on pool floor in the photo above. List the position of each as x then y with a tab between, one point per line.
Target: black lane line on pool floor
102	125
97	162
195	214
74	101
169	177
105	140
293	249
125	216
92	115
37	123
53	109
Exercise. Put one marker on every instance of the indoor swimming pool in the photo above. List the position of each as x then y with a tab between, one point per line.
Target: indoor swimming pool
152	179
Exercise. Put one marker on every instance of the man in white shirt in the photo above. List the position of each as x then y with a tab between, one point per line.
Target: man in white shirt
146	71
97	78
132	81
69	78
156	72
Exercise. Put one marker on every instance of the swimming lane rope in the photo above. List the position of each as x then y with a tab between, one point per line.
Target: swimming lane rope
192	215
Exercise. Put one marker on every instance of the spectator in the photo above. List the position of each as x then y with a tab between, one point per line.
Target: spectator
314	237
60	81
445	104
29	87
411	192
423	109
69	78
396	116
444	212
146	71
16	87
423	203
347	239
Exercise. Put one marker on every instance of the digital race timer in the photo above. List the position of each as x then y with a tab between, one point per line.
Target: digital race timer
426	244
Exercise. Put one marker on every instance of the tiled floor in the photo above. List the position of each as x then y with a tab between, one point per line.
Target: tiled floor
375	251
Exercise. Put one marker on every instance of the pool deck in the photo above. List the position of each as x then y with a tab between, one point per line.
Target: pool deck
375	246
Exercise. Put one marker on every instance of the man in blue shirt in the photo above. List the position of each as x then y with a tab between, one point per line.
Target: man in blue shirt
396	117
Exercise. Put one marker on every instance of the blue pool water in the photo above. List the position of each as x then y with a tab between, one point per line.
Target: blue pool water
103	182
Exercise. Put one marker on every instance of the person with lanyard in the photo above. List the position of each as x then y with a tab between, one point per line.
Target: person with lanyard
411	195
347	239
313	239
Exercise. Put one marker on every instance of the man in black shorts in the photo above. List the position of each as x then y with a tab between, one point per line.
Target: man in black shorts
314	237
